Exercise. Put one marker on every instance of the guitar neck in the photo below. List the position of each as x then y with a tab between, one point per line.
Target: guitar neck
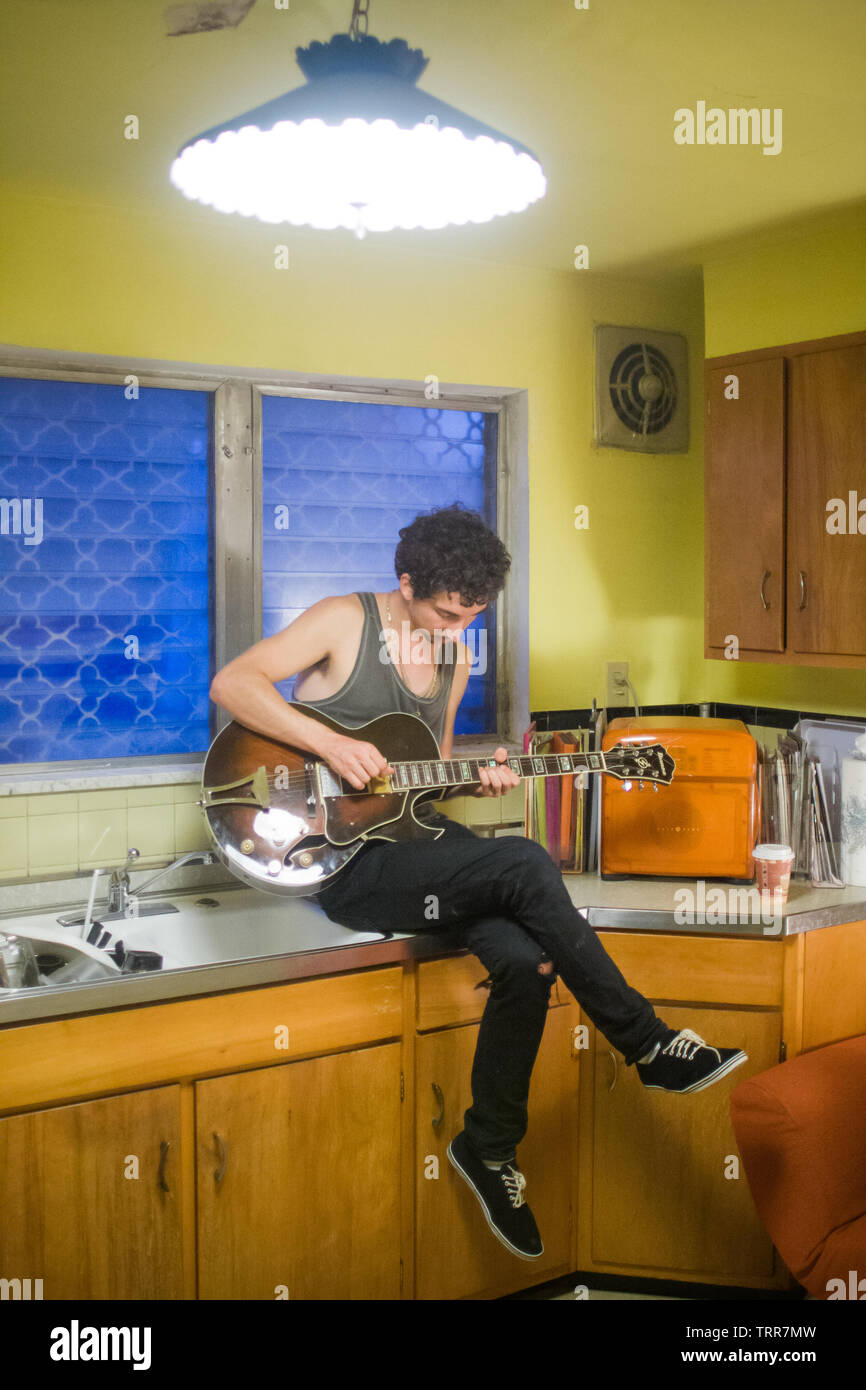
461	772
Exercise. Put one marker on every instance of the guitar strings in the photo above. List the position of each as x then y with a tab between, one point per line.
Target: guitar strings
293	781
297	778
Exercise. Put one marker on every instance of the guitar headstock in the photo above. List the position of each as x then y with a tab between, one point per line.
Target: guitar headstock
640	762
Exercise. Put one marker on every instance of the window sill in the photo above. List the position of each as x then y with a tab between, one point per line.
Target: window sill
102	778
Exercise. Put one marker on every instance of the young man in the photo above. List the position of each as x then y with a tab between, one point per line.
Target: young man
504	896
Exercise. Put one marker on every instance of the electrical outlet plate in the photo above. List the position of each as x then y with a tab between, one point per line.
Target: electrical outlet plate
617	690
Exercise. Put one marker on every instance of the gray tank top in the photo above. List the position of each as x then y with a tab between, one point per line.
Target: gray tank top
375	688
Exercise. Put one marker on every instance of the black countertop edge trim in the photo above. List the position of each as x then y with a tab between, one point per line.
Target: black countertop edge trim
763	715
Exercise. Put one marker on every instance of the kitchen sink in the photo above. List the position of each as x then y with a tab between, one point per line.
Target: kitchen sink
184	932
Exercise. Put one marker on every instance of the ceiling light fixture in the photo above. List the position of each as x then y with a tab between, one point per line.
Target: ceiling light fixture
359	146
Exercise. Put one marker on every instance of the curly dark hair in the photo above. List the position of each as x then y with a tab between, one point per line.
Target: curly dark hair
453	549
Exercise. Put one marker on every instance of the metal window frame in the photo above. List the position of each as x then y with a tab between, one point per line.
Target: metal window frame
236	516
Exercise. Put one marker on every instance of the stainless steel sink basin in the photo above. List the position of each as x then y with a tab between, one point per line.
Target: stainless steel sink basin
191	930
240	924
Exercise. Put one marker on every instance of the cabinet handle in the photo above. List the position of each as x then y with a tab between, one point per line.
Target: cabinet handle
440	1101
763	582
163	1155
802	589
612	1055
219	1173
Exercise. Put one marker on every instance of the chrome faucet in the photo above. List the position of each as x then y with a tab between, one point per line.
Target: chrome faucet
122	902
205	855
118	885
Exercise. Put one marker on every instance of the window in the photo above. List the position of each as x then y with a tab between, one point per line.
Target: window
339	479
149	533
104	592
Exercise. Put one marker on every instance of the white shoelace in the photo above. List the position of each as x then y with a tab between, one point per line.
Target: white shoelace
685	1039
515	1183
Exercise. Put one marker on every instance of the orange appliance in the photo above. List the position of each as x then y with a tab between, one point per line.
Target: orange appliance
705	824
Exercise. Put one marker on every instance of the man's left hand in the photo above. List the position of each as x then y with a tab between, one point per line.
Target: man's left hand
496	781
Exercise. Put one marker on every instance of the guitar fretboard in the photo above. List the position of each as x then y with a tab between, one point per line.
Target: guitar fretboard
458	772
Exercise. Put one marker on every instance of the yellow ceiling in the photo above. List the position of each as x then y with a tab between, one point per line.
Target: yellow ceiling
593	92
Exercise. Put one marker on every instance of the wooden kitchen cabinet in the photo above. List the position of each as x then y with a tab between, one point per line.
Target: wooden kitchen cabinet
667	1193
456	1254
744	536
662	1192
91	1198
827	459
307	1143
298	1179
784	437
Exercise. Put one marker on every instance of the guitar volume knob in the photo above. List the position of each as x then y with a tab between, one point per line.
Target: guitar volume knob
305	859
247	846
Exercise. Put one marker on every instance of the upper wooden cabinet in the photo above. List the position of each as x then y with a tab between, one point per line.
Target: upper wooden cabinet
785	533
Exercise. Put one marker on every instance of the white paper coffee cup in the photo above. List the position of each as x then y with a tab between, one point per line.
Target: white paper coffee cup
773	865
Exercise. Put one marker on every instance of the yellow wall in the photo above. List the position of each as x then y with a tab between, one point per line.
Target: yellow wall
201	287
787	285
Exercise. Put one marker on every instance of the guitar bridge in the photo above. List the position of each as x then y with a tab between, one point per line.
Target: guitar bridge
258	791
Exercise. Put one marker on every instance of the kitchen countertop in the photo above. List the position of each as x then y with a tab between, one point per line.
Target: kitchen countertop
647	905
713	907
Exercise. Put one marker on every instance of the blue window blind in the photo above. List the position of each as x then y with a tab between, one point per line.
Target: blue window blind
104	558
340	479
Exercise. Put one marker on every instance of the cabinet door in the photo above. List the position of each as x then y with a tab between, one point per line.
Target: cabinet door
298	1179
661	1195
456	1253
827	461
744	532
90	1198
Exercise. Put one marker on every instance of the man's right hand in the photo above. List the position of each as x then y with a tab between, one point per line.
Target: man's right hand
354	760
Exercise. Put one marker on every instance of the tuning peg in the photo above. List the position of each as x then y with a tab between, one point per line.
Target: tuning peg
640	784
655	786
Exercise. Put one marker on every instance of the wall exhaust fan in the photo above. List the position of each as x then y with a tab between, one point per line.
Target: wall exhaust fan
641	390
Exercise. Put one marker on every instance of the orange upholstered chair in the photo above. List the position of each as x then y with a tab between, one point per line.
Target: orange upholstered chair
801	1132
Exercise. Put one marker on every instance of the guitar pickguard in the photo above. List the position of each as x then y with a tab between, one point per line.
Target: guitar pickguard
388	817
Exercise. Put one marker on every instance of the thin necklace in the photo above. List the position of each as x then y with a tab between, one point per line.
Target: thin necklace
434	684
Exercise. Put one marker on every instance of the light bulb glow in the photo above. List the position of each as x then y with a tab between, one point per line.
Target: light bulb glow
313	174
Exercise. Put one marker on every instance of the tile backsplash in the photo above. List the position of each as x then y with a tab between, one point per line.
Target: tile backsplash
67	833
75	832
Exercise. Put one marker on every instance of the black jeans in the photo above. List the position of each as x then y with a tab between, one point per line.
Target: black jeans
506	900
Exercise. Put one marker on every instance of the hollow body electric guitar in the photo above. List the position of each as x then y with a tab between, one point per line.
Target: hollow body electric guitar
284	822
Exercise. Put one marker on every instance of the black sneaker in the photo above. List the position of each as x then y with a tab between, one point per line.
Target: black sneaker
686	1063
500	1192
